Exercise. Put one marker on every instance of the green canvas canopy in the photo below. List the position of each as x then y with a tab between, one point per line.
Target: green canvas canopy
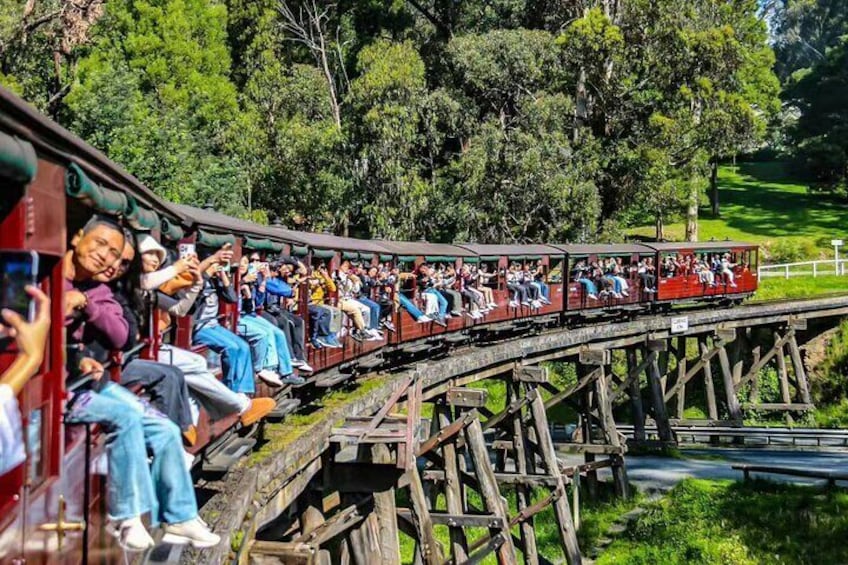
386	257
323	253
18	161
214	240
140	218
78	185
300	250
439	259
171	230
261	244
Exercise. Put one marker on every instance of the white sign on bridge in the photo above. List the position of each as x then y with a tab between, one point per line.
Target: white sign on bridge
679	324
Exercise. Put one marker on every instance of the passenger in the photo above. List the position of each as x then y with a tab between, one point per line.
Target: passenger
133	428
482	281
31	341
204	388
408	304
348	285
271	357
373	287
164	385
427	289
447	286
518	293
236	356
727	269
538	274
581	275
277	291
645	270
324	319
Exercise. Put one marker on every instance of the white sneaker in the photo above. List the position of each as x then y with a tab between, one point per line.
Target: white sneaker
297	363
270	377
624	293
131	534
424	319
536	304
593	297
513	304
493	305
305	367
193	532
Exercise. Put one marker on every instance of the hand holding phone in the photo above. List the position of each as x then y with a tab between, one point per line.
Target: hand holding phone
19	269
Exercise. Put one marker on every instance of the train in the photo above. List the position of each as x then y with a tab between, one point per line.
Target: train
52	506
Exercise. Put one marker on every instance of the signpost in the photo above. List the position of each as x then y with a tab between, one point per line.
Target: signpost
679	324
836	243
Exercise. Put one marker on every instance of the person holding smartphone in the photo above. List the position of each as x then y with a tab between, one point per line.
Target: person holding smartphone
31	341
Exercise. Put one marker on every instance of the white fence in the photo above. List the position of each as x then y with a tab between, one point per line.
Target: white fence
804	269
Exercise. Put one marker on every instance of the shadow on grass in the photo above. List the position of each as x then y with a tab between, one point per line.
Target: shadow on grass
716	522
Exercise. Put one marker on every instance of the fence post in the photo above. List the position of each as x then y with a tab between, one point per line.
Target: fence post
815	264
786	267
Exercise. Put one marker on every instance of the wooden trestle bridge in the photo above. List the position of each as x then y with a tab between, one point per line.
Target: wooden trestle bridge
328	493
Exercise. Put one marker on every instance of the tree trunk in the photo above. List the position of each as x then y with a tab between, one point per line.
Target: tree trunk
660	227
714	205
692	212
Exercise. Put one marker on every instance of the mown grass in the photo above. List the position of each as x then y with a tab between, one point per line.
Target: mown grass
705	522
760	203
800	287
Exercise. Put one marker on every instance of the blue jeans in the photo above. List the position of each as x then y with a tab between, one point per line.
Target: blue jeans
235	356
375	312
616	284
275	355
132	429
544	289
588	286
410	306
443	302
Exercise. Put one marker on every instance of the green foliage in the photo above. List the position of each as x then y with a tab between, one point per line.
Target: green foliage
716	522
821	134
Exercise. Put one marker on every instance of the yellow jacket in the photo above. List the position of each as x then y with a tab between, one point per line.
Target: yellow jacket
319	287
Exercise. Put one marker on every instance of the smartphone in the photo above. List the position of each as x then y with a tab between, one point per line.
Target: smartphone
19	269
251	268
187	249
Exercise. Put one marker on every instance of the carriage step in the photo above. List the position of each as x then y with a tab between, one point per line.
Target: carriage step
421	347
370	363
228	454
284	407
456	337
327	381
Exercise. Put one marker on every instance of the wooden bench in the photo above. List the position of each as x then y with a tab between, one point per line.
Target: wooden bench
830	476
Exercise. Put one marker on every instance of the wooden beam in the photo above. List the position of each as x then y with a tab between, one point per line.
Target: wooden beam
467	397
729	390
489	488
681	375
561	509
386	512
631	384
633	374
532	374
562	395
752	372
800	373
453	490
523	491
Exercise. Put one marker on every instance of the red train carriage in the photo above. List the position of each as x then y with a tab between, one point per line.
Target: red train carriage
591	271
707	271
545	261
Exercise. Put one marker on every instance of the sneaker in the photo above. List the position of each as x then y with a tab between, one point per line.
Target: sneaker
594	297
293	379
440	322
256	410
513	304
456	313
305	367
388	325
374	332
493	305
732	285
424	319
131	534
525	303
358	335
270	377
297	363
624	293
188	458
193	532
316	343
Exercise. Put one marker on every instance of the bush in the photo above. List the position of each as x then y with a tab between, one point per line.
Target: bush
790	250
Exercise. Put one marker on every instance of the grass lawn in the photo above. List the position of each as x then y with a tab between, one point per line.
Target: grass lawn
773	288
722	522
759	204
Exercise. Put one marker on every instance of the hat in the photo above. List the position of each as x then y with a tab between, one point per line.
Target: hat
146	244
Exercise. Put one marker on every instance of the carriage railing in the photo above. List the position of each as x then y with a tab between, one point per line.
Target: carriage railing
819	268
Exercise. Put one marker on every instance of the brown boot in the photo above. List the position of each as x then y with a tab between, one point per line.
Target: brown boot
258	409
190	436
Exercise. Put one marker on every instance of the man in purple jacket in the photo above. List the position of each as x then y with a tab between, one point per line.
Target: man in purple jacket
163	488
